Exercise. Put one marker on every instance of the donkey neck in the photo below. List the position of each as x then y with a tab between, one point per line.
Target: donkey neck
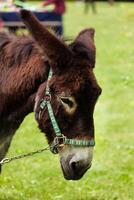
19	83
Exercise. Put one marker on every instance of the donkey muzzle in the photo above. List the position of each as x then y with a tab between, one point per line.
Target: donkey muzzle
75	161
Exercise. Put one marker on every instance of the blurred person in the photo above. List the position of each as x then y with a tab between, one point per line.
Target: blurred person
59	10
88	3
59	5
1	24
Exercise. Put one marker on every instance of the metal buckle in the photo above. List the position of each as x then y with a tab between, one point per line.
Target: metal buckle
59	140
5	160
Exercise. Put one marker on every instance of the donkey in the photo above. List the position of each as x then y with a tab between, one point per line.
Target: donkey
56	81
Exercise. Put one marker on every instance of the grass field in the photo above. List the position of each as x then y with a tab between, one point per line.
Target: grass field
112	173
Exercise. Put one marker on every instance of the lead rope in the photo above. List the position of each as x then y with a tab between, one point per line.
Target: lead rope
7	160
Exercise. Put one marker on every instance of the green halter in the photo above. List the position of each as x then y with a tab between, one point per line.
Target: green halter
60	139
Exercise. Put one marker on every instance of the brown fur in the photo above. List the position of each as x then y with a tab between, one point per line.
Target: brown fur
24	66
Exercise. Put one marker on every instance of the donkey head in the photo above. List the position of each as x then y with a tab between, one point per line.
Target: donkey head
74	92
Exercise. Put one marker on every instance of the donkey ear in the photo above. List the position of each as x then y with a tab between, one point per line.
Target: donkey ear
49	43
86	39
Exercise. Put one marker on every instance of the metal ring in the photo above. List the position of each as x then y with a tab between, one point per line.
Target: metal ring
47	97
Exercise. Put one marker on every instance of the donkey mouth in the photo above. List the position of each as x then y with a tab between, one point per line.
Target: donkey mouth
73	173
74	176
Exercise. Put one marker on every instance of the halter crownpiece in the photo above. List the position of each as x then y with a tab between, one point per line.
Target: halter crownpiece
60	139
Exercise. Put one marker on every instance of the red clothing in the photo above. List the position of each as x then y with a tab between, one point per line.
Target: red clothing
1	24
59	5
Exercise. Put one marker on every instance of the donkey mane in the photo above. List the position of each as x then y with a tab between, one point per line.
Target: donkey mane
22	70
17	48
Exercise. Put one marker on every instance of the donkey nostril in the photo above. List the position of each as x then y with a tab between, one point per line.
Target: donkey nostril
73	166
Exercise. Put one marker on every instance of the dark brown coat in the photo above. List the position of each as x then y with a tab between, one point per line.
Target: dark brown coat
24	66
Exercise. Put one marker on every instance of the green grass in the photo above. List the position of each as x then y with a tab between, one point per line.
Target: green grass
112	173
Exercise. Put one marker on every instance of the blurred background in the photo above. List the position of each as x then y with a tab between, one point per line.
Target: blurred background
112	173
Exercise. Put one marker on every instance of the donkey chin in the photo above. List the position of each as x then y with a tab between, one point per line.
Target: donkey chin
75	161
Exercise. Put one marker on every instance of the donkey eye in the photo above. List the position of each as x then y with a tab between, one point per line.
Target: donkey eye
67	101
69	104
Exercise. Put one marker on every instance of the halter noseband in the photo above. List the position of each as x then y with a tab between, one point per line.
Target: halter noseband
60	139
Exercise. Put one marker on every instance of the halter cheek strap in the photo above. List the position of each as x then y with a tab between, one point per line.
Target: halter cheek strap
60	139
